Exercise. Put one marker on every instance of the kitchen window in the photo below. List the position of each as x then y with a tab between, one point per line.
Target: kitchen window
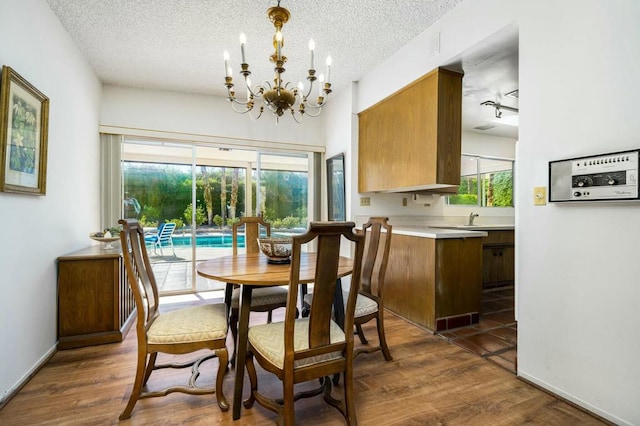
484	182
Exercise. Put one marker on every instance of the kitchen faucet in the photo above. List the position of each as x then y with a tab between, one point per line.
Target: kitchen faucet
472	216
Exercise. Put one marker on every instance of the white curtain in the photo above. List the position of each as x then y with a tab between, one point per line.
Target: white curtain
110	179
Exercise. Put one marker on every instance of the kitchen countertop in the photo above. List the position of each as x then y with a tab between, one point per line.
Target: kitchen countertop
437	232
478	227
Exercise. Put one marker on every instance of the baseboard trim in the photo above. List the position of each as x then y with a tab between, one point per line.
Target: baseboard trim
571	400
13	390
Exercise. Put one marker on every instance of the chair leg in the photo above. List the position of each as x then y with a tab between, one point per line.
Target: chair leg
233	325
151	363
141	369
228	290
360	334
381	336
288	406
306	309
349	402
253	380
223	358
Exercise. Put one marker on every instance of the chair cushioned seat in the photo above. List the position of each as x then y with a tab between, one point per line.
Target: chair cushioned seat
195	324
364	305
261	296
268	339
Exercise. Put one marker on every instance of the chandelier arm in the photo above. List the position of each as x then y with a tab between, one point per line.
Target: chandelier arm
259	114
315	105
265	86
293	114
319	109
235	101
306	96
249	89
246	109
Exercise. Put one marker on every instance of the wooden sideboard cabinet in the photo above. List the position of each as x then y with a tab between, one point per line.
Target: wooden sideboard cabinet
498	259
95	303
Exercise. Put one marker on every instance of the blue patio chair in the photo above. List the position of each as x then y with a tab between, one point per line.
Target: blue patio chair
162	237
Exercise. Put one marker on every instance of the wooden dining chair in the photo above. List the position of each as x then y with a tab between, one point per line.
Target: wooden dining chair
370	301
263	299
176	332
315	347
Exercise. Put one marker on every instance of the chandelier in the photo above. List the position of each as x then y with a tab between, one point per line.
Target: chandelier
278	97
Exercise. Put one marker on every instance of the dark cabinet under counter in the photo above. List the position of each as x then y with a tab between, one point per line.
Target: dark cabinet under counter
498	259
95	303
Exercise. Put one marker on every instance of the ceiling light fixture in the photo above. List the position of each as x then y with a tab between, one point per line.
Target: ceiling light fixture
499	107
513	94
279	97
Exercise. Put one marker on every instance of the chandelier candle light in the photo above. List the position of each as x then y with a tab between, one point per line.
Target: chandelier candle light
279	97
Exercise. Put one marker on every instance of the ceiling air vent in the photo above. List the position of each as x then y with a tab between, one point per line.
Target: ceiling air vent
485	127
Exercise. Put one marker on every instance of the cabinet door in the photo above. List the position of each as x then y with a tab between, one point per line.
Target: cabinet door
86	301
498	265
412	138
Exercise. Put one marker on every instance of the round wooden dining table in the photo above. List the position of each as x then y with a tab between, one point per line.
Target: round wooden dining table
254	270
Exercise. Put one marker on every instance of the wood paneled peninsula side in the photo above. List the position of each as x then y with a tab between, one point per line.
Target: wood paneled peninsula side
434	276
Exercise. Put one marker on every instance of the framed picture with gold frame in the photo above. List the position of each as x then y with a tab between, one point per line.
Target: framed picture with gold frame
24	126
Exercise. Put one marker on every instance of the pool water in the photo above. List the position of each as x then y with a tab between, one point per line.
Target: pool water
212	241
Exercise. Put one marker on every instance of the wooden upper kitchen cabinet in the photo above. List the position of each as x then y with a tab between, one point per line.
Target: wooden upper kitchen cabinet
95	303
435	283
498	259
411	139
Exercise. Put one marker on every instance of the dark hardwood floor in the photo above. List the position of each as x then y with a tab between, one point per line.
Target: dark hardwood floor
429	382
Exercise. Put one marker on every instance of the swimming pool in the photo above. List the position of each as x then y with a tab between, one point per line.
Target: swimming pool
213	241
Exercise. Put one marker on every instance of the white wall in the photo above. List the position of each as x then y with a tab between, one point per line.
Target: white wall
340	128
577	271
476	143
198	115
36	230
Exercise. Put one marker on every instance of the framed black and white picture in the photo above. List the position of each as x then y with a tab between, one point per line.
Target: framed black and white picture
336	188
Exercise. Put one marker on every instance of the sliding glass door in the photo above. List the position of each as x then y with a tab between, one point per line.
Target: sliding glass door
283	197
204	190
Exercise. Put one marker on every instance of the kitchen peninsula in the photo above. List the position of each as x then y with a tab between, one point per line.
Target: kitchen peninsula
434	276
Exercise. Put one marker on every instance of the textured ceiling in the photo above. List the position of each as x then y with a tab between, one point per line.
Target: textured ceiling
179	44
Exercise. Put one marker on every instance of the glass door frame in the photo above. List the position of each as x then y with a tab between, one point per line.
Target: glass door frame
314	196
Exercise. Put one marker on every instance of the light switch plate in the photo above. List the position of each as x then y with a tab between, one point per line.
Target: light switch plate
365	201
539	195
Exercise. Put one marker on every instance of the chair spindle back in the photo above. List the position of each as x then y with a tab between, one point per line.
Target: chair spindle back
252	226
139	273
329	236
374	251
